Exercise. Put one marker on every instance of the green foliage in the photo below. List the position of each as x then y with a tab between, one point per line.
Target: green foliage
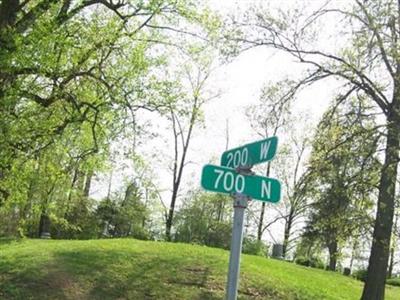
204	219
78	222
72	77
254	246
393	281
124	215
313	262
342	174
360	274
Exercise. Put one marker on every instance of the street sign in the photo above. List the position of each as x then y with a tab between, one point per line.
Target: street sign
228	181
250	154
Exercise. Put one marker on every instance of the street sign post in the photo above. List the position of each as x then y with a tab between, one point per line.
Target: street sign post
235	177
228	181
250	154
239	205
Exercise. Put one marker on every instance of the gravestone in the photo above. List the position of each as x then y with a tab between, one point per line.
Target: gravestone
277	251
44	226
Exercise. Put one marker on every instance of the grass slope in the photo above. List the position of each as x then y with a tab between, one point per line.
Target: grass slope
131	269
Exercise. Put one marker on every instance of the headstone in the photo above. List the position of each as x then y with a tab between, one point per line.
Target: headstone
346	271
277	251
45	226
45	235
105	231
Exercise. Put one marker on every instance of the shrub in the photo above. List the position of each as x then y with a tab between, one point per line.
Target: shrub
219	235
393	281
301	260
361	274
255	247
313	262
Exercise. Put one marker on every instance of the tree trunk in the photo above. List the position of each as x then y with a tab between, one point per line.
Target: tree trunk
374	288
44	223
390	271
333	254
392	250
220	209
261	222
80	181
288	228
353	254
71	190
8	12
170	215
178	167
88	182
109	185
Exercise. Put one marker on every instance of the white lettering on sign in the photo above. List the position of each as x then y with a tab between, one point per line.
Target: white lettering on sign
264	150
245	156
229	181
265	189
237	158
240	183
229	178
230	157
220	174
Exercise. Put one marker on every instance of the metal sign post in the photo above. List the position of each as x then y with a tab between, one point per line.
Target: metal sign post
239	205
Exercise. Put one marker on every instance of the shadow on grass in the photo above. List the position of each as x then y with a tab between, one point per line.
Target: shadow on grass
6	240
109	274
119	274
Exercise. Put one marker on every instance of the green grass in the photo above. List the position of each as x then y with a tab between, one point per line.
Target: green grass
131	269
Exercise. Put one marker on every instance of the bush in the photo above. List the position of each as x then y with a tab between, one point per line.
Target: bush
393	281
219	235
361	274
255	247
302	261
313	262
81	228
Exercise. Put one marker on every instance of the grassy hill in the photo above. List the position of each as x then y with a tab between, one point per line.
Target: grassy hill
131	269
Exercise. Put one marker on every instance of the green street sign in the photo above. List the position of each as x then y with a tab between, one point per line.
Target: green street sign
250	154
226	180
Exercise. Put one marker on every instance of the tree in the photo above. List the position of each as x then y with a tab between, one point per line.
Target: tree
267	118
57	71
185	98
369	64
295	201
71	74
47	85
125	213
56	80
199	220
342	176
